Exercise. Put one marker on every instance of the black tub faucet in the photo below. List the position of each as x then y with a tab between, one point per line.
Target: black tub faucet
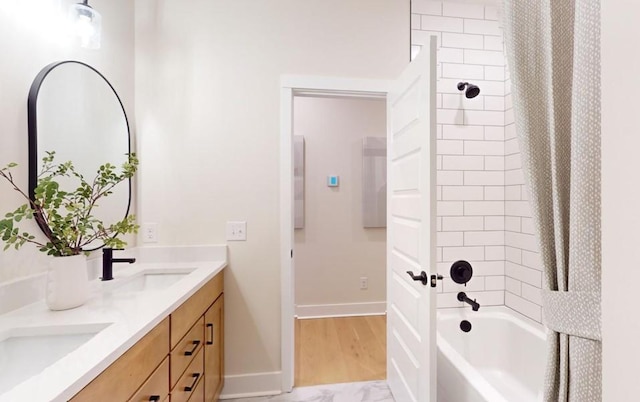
462	296
108	260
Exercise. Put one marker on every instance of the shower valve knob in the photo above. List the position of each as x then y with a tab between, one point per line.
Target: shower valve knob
422	277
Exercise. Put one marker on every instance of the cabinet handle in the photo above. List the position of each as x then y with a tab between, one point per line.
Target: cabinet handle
154	398
210	326
193	385
195	346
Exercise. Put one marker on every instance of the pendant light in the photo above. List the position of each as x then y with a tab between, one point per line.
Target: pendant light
86	24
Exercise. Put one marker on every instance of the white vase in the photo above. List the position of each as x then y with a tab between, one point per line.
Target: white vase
67	282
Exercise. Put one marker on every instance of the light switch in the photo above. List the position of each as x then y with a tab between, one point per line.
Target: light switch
333	181
237	230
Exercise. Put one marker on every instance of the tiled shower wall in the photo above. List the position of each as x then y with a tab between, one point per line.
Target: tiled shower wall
473	135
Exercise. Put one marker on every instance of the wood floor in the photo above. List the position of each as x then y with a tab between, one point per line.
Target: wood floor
337	350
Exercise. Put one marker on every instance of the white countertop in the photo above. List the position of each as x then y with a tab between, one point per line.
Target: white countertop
129	316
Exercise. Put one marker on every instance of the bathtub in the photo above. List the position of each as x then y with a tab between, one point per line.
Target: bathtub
502	358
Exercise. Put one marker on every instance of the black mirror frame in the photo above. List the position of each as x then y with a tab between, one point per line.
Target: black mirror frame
32	124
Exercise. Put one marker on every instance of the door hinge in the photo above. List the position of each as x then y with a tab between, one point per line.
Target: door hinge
434	280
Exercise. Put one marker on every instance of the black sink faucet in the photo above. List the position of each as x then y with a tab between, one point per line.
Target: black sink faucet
462	296
108	260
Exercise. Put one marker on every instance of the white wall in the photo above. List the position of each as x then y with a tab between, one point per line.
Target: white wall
620	201
333	250
207	104
30	40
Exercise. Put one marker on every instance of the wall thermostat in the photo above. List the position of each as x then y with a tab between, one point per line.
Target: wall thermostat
333	181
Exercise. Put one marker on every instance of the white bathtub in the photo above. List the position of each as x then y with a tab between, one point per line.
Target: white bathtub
502	358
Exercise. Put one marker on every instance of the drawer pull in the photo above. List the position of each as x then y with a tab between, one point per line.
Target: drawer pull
193	385
154	398
192	351
210	326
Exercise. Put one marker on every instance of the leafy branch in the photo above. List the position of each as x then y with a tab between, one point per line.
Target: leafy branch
67	216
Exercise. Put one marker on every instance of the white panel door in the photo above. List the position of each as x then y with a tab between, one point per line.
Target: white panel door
411	230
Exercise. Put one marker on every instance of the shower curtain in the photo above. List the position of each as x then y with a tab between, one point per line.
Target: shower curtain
553	54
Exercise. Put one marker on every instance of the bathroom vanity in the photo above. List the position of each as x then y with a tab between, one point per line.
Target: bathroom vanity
155	333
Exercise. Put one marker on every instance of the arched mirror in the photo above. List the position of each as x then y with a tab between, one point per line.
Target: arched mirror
74	111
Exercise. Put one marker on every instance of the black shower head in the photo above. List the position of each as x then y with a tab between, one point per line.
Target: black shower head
472	90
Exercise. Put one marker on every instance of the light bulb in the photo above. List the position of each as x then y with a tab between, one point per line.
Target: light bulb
86	25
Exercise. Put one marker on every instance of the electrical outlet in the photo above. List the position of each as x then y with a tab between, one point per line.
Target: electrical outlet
150	233
364	282
237	231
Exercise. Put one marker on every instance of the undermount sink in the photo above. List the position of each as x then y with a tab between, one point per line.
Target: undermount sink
25	352
151	280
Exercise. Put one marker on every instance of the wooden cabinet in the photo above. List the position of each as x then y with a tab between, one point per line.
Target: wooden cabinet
180	360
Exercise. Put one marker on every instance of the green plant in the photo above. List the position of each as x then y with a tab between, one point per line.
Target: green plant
66	217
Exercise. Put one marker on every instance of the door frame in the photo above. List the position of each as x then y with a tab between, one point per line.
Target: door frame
303	85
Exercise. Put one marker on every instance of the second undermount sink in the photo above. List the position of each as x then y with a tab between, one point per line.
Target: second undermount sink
25	352
150	280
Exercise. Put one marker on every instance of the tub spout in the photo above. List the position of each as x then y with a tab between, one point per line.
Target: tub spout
462	296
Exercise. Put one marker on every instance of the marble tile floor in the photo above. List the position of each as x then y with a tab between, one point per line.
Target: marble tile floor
369	391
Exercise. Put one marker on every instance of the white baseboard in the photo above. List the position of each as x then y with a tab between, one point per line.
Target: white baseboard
250	385
340	310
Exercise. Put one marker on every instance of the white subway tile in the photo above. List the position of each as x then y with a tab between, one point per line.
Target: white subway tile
494	283
494	103
462	193
493	223
426	7
532	259
491	13
453	132
462	162
484	178
508	99
448	55
510	132
517	208
462	41
512	193
449	178
493	133
490	88
475	208
513	254
523	306
462	10
450	116
482	27
513	285
511	145
488	298
484	118
438	162
448	85
494	193
448	300
462	71
475	284
491	148
520	240
423	38
512	162
493	43
415	21
494	163
444	24
438	254
439	193
484	57
523	274
514	177
528	226
450	208
450	147
462	253
495	253
462	223
439	103
445	239
532	293
458	101
488	268
484	238
492	73
524	191
511	223
508	117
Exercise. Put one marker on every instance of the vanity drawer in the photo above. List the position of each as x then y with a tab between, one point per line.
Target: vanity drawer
187	384
156	389
185	350
123	377
183	318
198	393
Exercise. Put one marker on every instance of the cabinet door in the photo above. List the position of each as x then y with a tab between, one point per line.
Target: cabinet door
214	350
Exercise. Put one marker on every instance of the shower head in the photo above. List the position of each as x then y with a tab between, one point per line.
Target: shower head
472	90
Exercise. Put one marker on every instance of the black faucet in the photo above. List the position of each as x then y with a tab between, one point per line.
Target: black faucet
462	296
108	260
